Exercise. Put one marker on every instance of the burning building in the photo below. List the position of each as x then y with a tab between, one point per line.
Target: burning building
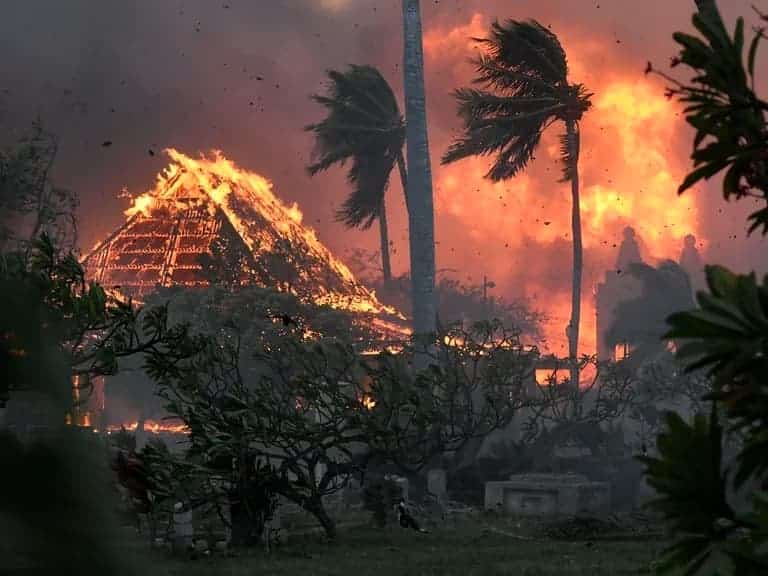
208	222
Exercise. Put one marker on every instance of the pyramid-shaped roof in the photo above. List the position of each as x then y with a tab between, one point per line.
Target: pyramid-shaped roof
206	220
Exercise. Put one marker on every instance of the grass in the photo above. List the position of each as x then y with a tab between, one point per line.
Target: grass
466	548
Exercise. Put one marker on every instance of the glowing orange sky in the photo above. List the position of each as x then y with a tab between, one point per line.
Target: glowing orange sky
519	231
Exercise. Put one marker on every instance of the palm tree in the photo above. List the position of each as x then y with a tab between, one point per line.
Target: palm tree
524	76
364	126
421	216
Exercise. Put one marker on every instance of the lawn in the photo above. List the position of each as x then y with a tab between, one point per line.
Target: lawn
478	547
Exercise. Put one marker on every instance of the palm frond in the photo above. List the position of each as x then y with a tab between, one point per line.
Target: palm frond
363	126
361	208
492	74
476	104
529	48
525	78
513	139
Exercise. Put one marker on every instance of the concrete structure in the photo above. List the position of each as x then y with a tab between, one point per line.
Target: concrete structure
548	495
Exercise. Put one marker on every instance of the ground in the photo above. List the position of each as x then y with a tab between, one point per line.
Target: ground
477	547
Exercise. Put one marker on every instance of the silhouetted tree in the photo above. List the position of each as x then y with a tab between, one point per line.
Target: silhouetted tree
526	89
364	126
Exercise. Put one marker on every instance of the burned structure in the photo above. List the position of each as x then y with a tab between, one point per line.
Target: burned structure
206	222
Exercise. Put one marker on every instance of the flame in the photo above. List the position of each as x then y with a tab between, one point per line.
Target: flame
634	154
244	197
143	204
151	426
368	402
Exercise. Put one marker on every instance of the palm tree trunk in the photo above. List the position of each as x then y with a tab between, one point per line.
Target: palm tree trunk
421	220
573	328
403	179
386	267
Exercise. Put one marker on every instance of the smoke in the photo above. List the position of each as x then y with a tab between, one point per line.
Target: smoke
236	75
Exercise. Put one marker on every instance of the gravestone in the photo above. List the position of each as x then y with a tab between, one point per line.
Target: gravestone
273	529
183	531
401	482
548	495
436	484
353	494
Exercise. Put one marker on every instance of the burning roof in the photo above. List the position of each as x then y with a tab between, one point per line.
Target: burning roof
208	221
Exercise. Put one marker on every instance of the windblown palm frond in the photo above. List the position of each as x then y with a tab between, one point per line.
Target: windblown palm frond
525	78
363	126
524	89
529	49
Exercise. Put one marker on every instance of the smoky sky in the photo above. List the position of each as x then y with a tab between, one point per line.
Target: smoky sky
236	75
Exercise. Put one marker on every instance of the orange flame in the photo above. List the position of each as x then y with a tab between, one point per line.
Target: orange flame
244	197
368	402
151	426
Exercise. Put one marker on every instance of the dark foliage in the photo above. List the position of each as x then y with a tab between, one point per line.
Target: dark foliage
525	76
728	337
723	108
364	126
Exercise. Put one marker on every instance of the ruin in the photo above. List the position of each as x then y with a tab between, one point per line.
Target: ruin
207	222
547	495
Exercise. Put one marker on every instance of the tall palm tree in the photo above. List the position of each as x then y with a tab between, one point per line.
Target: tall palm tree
421	216
524	76
364	126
